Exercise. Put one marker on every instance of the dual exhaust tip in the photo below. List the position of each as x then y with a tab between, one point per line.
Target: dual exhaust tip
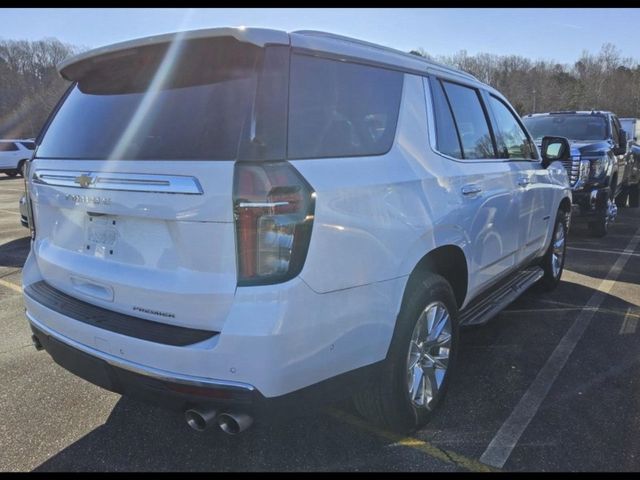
231	423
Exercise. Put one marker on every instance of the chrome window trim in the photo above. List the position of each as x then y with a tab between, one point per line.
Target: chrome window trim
129	182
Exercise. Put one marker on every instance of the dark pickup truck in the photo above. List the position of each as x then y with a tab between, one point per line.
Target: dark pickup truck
597	163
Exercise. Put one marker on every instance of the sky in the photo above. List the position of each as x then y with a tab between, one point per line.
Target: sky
550	34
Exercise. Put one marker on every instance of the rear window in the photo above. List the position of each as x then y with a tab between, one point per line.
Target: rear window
190	102
341	109
28	145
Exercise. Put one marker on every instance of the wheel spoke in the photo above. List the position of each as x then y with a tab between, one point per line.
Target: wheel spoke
431	321
442	321
431	386
414	359
416	391
441	361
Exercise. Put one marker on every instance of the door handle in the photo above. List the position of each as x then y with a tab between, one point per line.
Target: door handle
471	189
523	181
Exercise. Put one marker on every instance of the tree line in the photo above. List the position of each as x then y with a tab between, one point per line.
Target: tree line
602	81
30	85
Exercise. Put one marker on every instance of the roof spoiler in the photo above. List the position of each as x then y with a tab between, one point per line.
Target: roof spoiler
73	67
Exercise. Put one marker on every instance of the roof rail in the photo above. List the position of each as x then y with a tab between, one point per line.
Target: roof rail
431	63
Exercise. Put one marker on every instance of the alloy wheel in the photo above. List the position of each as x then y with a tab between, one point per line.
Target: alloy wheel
557	254
429	351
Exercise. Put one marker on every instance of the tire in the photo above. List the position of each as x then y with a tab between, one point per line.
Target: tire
389	402
12	173
553	261
634	196
21	168
621	200
599	228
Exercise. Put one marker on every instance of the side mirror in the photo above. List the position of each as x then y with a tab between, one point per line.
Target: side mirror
554	148
622	142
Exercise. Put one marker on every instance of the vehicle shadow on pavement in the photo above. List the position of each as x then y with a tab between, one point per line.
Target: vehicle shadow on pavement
139	436
14	253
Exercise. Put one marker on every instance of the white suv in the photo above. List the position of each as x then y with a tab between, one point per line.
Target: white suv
14	154
228	219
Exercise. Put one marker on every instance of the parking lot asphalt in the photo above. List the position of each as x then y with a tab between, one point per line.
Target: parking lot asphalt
551	383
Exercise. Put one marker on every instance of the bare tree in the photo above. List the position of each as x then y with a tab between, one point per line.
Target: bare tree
30	86
604	81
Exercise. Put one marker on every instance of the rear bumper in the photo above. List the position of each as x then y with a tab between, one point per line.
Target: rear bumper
167	389
181	392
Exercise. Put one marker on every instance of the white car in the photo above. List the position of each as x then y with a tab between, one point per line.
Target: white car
14	154
227	220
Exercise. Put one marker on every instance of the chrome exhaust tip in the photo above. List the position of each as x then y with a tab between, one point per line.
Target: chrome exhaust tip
198	419
234	423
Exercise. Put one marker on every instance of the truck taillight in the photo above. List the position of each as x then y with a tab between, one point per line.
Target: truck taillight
273	210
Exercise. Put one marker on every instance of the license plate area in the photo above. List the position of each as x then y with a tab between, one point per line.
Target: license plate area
101	235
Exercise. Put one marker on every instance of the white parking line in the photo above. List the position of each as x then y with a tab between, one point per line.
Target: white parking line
629	324
512	429
12	286
597	250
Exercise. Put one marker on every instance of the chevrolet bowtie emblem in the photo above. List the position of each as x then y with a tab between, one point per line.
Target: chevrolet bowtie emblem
84	180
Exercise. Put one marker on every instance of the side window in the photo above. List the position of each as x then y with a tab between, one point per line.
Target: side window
471	121
511	140
8	147
447	140
341	109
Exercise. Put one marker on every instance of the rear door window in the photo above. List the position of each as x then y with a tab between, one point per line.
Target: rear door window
341	109
447	138
471	121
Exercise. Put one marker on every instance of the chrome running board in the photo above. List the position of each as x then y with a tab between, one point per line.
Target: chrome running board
493	301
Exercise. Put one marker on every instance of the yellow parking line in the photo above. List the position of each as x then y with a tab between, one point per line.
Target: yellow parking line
425	447
12	286
9	211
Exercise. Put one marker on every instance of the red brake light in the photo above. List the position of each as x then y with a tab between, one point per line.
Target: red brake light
274	208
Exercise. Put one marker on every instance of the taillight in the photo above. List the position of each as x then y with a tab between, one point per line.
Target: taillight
273	210
25	177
